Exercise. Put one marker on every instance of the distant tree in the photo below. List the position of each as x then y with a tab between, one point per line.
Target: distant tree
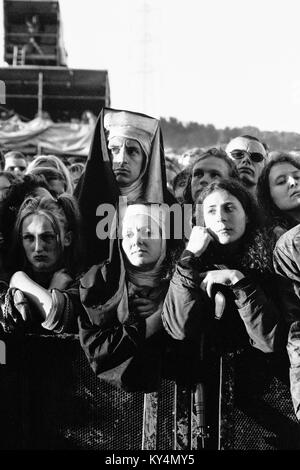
181	137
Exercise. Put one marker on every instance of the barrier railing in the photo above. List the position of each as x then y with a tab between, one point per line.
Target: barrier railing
51	399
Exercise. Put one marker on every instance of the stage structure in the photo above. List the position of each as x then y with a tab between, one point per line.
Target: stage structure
38	82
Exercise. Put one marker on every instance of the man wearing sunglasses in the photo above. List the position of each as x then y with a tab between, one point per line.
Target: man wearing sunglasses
250	157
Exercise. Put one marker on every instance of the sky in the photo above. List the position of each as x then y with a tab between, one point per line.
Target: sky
223	62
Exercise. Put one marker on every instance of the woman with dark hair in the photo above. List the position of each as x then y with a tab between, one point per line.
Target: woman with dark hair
279	196
121	331
224	285
42	289
224	303
212	165
278	193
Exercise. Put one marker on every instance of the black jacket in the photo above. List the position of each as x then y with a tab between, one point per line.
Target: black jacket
252	312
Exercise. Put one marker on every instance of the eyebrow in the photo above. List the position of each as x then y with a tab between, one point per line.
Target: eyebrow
42	233
134	145
229	203
285	174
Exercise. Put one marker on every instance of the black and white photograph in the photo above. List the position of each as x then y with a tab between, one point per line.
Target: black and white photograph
149	228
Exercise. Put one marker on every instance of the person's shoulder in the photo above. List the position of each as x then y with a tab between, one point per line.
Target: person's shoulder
290	240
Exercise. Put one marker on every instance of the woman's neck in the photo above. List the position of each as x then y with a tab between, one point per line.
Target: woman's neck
229	249
42	278
294	214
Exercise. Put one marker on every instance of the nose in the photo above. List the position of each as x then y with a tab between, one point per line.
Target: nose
121	156
221	214
38	244
205	180
291	181
246	159
137	238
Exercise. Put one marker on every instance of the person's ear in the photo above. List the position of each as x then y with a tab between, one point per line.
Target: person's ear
68	238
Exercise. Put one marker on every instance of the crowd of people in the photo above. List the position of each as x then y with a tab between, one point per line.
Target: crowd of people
98	249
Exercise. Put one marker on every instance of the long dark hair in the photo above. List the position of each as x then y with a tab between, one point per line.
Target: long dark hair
273	215
61	212
254	251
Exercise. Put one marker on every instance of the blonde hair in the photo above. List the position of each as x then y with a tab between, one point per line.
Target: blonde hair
63	213
52	161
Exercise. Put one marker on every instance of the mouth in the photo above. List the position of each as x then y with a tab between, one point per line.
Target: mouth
224	231
120	171
138	252
295	194
40	258
248	170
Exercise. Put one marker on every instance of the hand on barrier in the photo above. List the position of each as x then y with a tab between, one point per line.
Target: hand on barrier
15	311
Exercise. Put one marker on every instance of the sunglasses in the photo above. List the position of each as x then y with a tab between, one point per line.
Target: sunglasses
13	168
255	156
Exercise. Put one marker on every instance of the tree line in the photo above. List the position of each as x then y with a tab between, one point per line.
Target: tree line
181	136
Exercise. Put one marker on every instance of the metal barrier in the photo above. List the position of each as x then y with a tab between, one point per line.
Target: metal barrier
51	399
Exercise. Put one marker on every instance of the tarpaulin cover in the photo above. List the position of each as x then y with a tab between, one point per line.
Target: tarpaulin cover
60	138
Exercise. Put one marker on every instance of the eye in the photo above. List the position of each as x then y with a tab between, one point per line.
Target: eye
281	181
132	151
146	232
129	234
28	238
48	238
211	211
115	150
215	175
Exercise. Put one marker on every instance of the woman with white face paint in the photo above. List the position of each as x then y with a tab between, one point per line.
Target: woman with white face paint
122	330
46	252
224	281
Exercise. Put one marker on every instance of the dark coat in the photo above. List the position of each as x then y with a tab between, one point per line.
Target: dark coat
118	351
252	312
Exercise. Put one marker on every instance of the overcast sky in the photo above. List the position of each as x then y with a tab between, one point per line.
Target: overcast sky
225	62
